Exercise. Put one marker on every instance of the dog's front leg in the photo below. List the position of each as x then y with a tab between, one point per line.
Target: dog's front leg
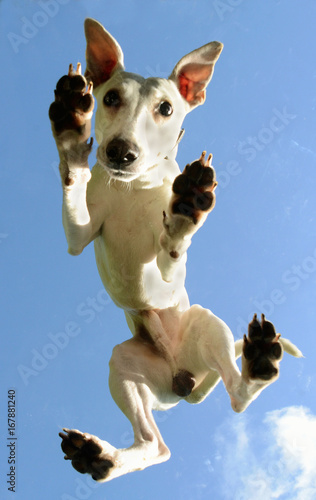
70	116
192	200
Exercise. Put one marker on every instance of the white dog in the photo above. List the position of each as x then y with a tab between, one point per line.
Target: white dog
141	213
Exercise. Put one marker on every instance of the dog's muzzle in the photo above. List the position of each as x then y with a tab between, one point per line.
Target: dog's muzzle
121	154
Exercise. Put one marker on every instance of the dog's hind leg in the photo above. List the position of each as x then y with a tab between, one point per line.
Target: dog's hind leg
139	377
216	351
261	354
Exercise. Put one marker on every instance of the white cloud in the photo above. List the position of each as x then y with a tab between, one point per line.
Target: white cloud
271	459
294	432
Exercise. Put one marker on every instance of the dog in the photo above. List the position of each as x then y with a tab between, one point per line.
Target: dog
142	212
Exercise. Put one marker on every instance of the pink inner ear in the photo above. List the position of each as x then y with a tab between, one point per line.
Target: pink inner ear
190	90
193	80
100	62
184	88
108	67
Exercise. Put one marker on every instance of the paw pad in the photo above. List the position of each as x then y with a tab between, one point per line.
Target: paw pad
73	103
193	189
85	453
261	349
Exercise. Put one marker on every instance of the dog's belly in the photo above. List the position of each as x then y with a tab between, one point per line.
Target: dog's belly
134	284
126	254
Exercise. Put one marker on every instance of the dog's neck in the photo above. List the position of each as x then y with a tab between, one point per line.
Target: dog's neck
157	175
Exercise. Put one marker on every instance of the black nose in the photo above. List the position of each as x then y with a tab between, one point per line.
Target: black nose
121	153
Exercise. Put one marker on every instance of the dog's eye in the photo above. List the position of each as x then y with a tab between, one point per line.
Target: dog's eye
112	99
165	108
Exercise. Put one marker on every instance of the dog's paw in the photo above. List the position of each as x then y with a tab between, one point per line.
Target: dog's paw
86	453
193	190
71	112
262	350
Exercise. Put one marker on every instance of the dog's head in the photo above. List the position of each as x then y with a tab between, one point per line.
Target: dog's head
138	120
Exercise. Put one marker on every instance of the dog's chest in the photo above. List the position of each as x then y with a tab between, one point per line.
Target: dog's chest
133	224
129	240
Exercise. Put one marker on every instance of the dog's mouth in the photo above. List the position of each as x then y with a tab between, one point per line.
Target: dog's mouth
118	161
120	174
117	171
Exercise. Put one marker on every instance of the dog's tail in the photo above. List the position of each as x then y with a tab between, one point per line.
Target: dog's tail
238	348
290	348
287	345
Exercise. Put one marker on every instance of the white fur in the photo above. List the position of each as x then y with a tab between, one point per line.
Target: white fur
123	214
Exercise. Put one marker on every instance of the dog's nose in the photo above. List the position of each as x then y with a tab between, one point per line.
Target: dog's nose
121	153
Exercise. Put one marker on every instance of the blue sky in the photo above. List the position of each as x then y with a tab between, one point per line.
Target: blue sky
256	252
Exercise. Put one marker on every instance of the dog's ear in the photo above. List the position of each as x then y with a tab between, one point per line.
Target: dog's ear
103	54
194	71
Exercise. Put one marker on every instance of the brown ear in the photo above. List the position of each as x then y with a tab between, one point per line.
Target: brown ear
103	54
194	71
